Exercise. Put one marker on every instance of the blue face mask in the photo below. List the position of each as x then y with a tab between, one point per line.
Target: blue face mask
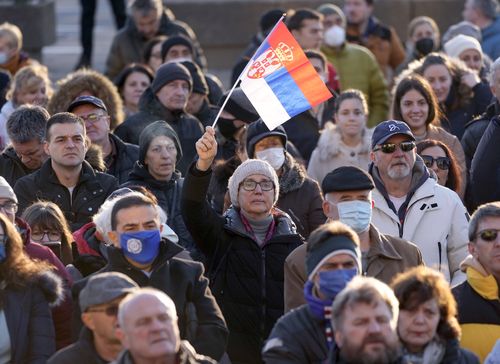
331	282
355	214
141	246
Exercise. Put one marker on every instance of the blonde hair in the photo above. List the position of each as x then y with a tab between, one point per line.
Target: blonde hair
28	78
13	34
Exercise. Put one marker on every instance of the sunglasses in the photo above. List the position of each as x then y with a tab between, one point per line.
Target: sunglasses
389	148
109	311
488	234
441	162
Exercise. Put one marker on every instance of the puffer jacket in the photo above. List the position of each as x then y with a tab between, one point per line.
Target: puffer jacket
200	319
187	127
11	166
128	44
246	278
331	153
300	197
168	195
126	156
29	321
432	217
89	194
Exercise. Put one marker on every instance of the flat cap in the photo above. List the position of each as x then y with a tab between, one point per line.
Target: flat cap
347	178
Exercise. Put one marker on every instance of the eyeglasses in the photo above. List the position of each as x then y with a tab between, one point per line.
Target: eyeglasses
10	207
441	162
251	185
488	235
51	235
109	311
389	148
92	118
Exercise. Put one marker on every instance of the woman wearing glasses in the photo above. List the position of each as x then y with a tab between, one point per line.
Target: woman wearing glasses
414	103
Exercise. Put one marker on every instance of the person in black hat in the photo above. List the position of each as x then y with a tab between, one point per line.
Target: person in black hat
166	99
118	155
409	203
348	198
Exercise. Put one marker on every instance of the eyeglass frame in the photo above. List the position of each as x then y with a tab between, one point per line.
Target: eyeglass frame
257	183
432	160
93	122
45	233
396	146
11	210
479	233
111	310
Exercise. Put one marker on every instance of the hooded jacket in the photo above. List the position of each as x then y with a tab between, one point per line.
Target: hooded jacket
187	127
478	308
128	44
126	156
433	217
246	278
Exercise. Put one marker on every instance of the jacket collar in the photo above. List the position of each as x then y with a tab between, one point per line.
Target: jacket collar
149	103
47	173
380	246
481	281
293	175
330	143
141	173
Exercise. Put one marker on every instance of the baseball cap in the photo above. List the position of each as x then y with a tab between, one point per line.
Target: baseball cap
87	100
389	128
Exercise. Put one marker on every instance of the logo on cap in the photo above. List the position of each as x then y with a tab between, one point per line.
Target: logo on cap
134	246
393	127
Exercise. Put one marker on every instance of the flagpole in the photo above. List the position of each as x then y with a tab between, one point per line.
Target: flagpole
239	77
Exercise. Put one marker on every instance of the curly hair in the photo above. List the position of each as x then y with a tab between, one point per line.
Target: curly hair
420	284
29	78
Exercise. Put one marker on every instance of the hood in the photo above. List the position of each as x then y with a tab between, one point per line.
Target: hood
483	283
330	142
150	104
52	287
293	175
23	229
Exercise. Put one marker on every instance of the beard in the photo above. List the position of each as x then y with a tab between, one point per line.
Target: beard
357	354
399	171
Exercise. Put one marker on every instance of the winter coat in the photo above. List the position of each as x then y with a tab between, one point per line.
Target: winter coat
187	127
485	168
28	317
89	194
168	195
300	197
11	166
490	42
246	278
433	217
7	109
440	351
200	319
298	337
358	68
126	156
128	44
82	351
331	153
207	114
186	355
303	130
382	41
387	256
478	309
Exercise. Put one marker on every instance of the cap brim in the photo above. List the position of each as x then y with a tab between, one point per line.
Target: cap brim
391	135
74	105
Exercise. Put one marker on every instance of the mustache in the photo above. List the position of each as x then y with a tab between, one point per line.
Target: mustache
375	339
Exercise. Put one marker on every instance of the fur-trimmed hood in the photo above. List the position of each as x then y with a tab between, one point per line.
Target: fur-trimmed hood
52	287
330	142
93	82
293	175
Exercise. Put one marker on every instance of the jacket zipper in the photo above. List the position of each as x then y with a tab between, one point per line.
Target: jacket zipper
440	252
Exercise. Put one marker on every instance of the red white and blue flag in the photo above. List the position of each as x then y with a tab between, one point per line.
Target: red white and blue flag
279	80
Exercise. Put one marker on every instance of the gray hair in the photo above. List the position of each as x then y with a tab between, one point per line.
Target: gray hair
488	8
491	209
145	6
364	290
495	66
27	123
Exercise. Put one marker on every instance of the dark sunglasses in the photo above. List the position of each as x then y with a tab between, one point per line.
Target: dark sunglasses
488	234
109	311
389	148
441	162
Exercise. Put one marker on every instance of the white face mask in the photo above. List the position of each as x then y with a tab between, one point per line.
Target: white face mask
3	57
355	214
335	36
274	156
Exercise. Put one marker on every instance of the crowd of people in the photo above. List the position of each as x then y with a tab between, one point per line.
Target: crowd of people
364	230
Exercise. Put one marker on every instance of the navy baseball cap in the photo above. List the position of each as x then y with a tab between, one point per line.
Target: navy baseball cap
389	128
87	100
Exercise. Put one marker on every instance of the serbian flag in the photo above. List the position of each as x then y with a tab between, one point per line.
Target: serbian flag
279	80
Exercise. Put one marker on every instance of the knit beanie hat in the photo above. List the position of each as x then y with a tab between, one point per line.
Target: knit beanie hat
329	9
247	168
317	254
169	72
176	40
199	82
258	130
153	130
456	45
6	190
239	106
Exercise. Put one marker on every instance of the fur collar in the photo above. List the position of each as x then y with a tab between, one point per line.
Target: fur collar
330	143
292	176
52	287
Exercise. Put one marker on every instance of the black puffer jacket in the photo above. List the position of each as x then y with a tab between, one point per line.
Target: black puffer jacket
168	195
200	319
89	194
187	127
126	156
247	279
11	167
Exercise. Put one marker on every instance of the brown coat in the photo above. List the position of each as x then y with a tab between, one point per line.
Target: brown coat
387	257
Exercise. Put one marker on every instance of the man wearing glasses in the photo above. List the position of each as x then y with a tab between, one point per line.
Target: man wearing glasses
118	155
410	204
477	298
246	248
99	301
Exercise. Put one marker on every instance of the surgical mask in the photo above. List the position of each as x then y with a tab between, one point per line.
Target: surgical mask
227	127
141	246
355	214
424	46
3	57
274	156
331	282
335	36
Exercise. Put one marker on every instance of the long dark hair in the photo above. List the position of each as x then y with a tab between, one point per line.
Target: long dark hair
128	70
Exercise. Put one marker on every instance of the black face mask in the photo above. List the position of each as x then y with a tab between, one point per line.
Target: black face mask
227	127
424	46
